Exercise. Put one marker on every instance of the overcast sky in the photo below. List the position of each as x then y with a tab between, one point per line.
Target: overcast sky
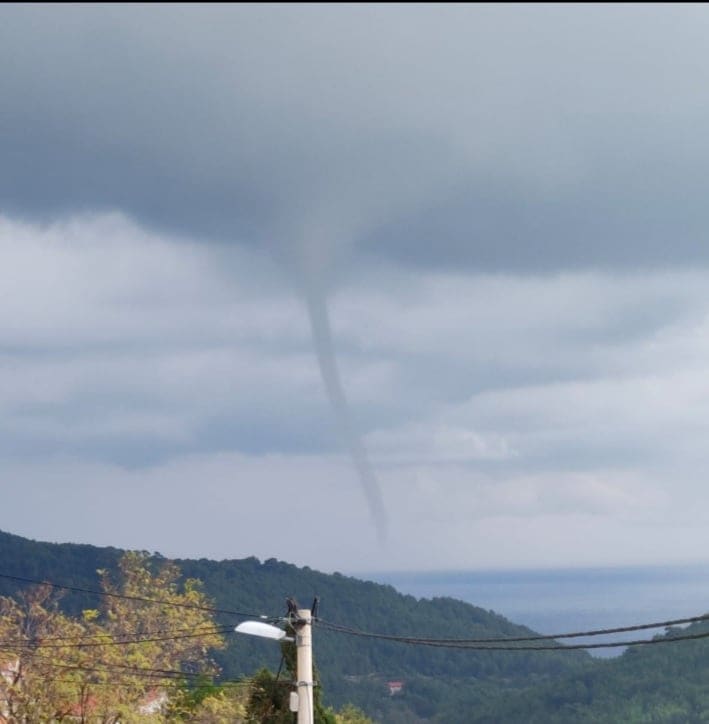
505	208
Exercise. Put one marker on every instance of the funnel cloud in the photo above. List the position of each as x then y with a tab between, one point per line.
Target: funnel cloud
324	348
508	205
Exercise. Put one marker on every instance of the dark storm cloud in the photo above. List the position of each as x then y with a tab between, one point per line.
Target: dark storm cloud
493	137
421	146
659	220
105	109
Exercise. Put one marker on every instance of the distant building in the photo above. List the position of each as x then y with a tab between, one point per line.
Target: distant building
8	672
153	702
395	687
9	669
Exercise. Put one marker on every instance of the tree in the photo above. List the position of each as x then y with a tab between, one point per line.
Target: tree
350	714
40	683
121	662
204	702
269	700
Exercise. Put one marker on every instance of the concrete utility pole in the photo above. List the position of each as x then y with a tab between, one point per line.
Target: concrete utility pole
304	649
301	619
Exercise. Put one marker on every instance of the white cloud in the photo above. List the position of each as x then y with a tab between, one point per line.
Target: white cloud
97	279
109	331
310	510
436	442
513	419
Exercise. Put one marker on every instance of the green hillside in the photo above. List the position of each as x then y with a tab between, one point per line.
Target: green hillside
351	669
657	683
665	683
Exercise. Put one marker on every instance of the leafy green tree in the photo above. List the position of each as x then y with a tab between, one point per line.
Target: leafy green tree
269	700
270	695
350	714
204	702
104	666
40	684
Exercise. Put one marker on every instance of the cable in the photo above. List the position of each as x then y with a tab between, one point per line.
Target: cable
280	667
125	669
128	636
127	642
479	645
40	642
143	599
536	637
151	674
157	632
193	687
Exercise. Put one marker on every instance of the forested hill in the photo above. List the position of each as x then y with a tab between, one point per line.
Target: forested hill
351	669
664	683
658	683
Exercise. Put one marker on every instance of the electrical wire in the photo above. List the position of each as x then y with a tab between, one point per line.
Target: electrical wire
177	678
143	599
247	681
115	668
156	632
124	642
497	644
535	637
491	643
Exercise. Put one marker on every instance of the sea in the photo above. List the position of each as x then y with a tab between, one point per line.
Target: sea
553	601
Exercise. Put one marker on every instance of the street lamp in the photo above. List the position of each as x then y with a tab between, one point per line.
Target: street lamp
264	630
302	702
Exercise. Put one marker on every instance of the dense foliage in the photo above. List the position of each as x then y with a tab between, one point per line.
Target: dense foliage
661	683
665	682
352	670
114	663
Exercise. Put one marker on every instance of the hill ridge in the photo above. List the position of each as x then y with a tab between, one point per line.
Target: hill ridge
249	584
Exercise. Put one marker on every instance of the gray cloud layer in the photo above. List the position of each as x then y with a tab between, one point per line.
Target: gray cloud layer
501	204
499	138
137	372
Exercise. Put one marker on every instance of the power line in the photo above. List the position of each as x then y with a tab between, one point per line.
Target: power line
103	635
511	639
115	668
247	681
498	644
492	643
143	599
175	677
125	642
571	647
